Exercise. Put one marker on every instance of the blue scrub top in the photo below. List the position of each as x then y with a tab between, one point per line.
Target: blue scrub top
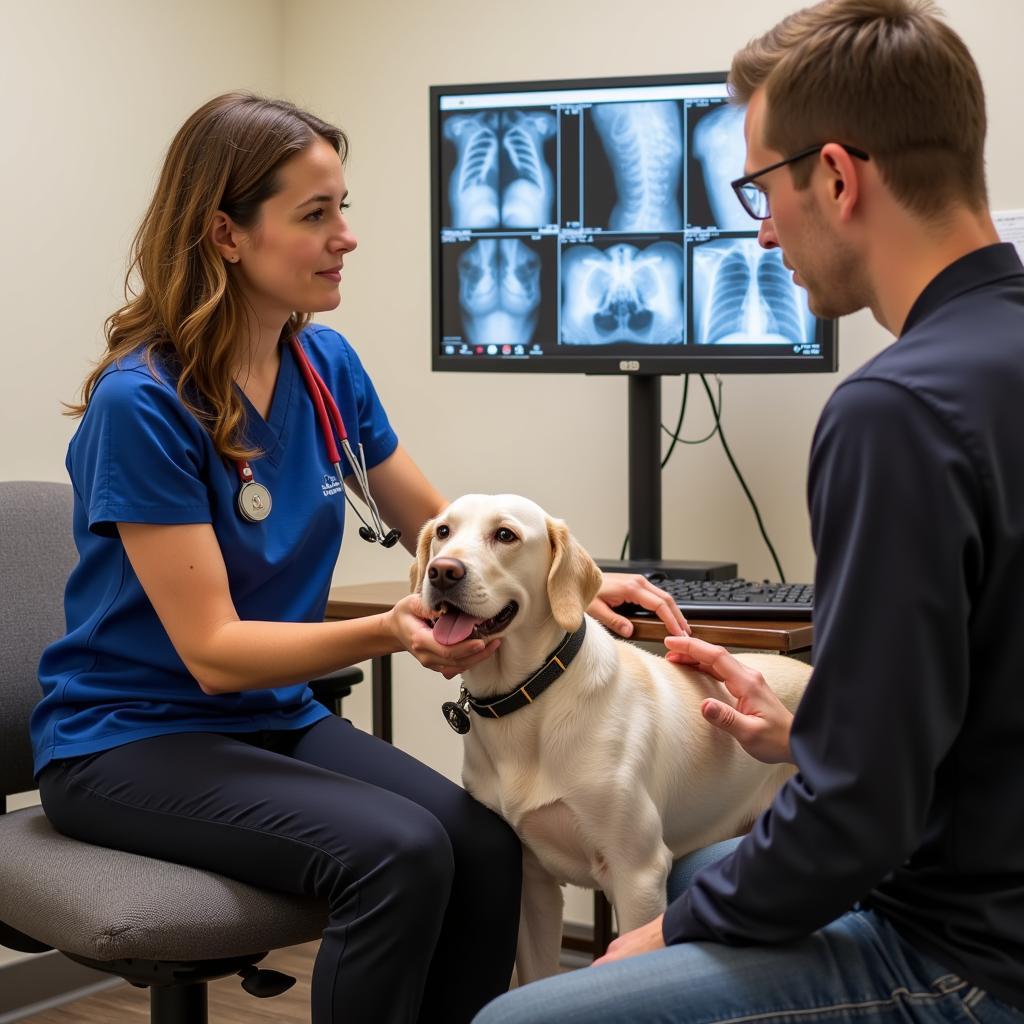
140	456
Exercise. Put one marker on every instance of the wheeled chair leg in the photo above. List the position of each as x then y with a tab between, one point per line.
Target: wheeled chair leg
178	1004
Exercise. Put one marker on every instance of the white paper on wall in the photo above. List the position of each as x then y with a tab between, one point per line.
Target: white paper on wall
1010	225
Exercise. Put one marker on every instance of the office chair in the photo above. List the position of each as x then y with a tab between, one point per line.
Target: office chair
156	924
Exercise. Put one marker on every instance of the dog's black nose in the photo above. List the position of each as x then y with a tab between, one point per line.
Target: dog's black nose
444	573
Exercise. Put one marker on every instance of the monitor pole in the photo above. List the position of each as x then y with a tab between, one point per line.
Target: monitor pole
645	467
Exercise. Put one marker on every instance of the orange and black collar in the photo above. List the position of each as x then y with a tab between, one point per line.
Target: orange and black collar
526	693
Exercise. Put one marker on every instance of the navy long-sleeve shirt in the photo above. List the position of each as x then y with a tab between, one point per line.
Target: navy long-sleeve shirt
910	738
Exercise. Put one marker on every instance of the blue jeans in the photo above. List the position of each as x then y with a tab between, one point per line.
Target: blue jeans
855	968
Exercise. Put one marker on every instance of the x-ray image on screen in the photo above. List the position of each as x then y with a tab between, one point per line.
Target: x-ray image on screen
743	294
716	156
623	293
633	155
505	289
500	174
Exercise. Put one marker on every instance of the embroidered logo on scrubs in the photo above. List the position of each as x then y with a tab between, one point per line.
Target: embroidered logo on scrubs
330	485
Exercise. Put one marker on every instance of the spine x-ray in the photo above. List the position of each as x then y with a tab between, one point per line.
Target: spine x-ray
643	143
623	294
743	294
501	177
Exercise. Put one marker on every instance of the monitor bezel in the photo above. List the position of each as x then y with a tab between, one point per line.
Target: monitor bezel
697	359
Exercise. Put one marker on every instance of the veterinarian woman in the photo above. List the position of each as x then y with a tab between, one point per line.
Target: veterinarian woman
175	721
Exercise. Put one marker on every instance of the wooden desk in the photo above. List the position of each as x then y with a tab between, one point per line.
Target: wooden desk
356	600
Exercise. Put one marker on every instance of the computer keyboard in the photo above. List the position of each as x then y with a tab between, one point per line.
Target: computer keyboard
734	599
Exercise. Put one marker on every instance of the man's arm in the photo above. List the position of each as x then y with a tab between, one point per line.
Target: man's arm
889	684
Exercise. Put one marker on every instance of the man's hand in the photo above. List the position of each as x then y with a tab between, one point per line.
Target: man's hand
758	721
644	939
619	587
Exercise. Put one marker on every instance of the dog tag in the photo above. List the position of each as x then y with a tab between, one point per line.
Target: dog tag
455	717
455	713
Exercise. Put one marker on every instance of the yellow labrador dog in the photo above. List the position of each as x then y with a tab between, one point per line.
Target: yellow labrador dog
592	749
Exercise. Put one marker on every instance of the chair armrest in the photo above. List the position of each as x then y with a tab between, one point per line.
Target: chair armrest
331	689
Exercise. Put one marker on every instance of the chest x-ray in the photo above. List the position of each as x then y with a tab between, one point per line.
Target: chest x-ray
623	293
743	294
719	148
501	177
644	146
499	291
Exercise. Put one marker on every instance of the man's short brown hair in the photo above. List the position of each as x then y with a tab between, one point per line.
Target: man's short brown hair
888	76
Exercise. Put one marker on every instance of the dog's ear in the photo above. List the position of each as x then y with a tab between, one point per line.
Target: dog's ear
573	580
419	567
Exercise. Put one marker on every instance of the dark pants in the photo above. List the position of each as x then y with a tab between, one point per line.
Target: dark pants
421	881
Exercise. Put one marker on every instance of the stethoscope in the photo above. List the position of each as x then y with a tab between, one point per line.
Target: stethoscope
254	501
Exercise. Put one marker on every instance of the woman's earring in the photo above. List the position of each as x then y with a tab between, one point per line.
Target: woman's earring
234	259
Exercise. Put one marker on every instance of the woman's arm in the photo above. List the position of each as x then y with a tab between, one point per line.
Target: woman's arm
182	571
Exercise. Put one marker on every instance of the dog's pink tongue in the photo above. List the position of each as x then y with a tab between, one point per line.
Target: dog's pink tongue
453	627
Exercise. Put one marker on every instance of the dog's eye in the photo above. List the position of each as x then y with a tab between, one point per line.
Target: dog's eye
442	532
505	535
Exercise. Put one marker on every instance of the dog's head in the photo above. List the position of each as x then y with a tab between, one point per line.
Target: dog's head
488	563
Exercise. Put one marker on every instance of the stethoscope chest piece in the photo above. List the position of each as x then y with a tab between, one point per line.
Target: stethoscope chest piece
254	499
254	502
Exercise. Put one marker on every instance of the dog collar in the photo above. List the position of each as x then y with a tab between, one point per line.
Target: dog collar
554	665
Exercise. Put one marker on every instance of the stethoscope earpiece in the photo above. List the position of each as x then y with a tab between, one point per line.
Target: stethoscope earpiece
389	540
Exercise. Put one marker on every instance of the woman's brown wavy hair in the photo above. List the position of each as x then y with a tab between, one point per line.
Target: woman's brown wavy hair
183	309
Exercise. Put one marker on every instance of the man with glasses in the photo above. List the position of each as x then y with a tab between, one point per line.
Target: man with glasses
887	879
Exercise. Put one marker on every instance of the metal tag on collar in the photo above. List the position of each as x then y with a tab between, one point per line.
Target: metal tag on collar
455	713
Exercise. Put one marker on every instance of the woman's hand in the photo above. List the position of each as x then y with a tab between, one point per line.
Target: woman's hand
619	587
409	621
758	721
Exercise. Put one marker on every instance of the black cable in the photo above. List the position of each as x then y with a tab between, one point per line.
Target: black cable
679	422
674	434
743	483
682	440
716	429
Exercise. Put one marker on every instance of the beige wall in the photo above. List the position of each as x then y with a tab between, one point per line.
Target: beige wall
93	92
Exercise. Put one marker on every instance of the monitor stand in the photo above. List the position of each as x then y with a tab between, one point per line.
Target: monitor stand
644	455
644	467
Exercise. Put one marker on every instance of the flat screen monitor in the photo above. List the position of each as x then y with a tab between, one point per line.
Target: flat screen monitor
589	226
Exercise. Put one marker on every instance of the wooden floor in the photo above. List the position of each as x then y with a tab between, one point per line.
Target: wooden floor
229	1003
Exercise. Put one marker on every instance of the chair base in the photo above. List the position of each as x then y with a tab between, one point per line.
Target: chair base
177	989
179	1004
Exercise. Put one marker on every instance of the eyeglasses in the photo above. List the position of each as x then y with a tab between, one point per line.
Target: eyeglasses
755	200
